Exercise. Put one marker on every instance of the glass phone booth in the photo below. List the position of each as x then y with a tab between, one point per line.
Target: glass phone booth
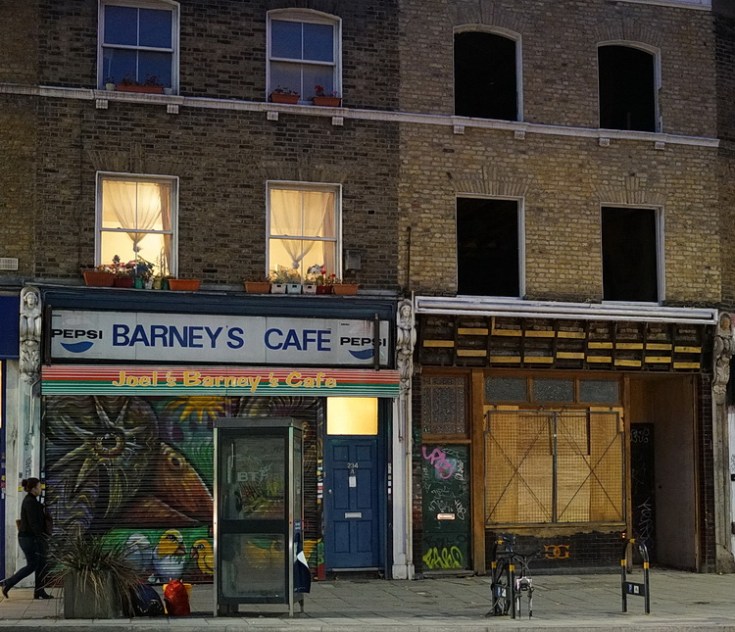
258	517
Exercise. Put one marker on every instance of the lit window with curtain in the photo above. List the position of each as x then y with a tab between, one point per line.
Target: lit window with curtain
136	220
138	42
303	53
303	228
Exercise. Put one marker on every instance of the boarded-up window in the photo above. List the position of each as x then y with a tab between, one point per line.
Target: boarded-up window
553	467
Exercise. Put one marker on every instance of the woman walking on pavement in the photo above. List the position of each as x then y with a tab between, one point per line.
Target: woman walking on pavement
32	533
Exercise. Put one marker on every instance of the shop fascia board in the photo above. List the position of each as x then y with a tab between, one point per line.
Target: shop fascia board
518	308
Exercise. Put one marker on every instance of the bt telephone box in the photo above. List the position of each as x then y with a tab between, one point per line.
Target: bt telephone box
258	517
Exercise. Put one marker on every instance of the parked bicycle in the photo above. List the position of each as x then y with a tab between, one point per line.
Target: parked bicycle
510	578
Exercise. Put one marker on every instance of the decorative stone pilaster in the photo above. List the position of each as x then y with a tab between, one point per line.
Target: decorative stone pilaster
405	343
722	352
30	333
403	567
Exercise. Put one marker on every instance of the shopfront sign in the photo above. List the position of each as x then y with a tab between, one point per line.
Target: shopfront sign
169	381
225	339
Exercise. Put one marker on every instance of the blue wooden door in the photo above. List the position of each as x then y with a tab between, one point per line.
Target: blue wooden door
352	517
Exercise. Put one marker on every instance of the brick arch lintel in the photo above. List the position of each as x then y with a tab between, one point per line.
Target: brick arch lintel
304	170
491	182
628	29
487	13
631	190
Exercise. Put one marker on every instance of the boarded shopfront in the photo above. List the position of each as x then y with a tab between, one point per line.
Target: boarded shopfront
567	433
132	392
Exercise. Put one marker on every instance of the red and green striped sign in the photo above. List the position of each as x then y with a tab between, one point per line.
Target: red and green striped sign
165	381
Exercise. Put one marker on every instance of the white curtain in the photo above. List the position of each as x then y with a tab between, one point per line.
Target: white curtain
302	215
137	207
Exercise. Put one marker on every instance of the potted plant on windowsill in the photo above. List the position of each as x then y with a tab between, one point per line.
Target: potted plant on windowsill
151	85
259	286
284	95
142	273
100	276
285	280
183	285
324	98
344	288
317	275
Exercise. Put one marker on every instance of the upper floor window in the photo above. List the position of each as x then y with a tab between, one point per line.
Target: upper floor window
486	76
303	227
488	247
303	53
630	254
136	219
138	43
627	88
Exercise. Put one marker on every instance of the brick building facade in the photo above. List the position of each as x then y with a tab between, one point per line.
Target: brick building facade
492	354
535	261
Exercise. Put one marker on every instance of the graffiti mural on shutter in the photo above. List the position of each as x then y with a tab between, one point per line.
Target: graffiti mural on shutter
140	471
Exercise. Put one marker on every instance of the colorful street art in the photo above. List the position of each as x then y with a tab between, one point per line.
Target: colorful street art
140	471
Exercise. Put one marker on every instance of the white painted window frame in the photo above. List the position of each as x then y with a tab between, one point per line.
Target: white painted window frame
521	239
511	35
304	15
307	186
139	177
168	5
660	252
651	50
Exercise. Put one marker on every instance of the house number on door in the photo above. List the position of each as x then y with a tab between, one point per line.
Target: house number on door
352	479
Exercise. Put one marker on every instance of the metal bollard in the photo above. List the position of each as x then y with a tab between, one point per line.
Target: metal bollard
634	588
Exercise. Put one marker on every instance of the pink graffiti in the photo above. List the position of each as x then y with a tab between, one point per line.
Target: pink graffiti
444	467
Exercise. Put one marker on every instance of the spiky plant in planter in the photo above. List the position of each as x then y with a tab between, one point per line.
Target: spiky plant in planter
97	577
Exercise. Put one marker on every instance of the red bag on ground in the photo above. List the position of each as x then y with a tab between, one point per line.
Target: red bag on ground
176	598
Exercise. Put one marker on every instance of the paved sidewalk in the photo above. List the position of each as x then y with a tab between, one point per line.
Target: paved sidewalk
679	601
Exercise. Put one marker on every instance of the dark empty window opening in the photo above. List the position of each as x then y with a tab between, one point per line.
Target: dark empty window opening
627	89
487	247
485	76
629	255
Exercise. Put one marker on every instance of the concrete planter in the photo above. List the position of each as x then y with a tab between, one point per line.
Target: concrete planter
83	600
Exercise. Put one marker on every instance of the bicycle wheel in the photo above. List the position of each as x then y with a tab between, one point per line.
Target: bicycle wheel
500	589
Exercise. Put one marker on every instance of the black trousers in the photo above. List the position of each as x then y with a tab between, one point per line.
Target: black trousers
34	549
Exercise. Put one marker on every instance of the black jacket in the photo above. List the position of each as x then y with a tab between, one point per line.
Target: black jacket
32	517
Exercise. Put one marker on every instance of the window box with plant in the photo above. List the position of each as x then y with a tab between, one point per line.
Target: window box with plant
285	281
99	276
325	98
344	288
151	85
317	275
258	286
284	95
184	285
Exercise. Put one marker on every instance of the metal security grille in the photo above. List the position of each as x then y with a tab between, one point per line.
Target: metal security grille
553	467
